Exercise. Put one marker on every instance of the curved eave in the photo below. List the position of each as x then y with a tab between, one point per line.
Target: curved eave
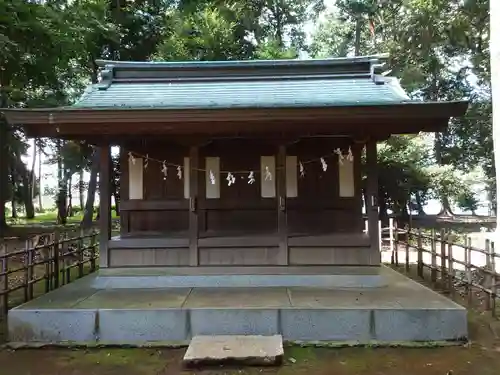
432	116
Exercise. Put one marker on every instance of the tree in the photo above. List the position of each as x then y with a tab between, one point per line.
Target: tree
445	60
495	89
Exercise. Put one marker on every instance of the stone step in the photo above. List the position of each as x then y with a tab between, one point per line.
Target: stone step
235	349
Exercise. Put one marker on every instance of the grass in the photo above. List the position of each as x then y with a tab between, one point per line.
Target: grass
48	218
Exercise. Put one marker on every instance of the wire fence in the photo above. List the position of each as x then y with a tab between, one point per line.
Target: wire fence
451	260
45	262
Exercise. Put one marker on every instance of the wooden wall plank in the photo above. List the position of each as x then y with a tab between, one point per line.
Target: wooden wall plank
351	256
149	257
239	256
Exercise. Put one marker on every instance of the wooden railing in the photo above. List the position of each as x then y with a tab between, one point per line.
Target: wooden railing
45	262
448	261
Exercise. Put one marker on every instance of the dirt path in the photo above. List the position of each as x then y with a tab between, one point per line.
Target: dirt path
482	357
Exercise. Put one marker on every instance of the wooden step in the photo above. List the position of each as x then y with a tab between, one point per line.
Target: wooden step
242	350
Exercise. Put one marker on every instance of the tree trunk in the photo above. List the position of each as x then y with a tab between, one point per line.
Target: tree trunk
279	26
33	174
62	192
420	206
26	191
495	92
357	41
4	156
444	200
4	173
81	190
13	202
69	210
40	189
89	206
114	189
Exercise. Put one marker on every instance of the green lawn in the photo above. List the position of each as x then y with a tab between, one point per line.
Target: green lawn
49	218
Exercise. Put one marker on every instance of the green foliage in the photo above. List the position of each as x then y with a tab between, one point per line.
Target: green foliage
209	33
439	51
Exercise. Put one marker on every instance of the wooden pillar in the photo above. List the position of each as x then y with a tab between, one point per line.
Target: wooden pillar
372	198
193	209
281	206
104	205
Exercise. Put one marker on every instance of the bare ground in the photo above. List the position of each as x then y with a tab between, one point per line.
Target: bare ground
480	358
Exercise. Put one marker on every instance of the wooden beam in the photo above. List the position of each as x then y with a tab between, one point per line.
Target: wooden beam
104	205
281	205
372	197
155	205
193	209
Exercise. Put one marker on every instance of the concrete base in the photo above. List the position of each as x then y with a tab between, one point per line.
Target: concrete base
240	277
402	311
248	350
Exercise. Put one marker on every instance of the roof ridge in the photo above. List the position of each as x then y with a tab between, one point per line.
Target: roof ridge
219	71
239	63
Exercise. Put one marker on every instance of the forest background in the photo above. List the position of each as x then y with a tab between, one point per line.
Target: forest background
439	49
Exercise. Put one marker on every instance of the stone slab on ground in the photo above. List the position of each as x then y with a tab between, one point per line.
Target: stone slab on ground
237	349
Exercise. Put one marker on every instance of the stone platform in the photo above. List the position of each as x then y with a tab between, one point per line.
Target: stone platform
400	311
240	277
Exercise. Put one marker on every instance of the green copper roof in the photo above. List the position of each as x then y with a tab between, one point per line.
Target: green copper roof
242	84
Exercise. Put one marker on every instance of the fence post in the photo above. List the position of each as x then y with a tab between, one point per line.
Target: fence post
420	261
451	268
396	257
494	280
26	272
433	256
67	249
391	235
394	248
380	234
468	242
4	280
81	246
92	250
56	259
487	275
31	268
444	278
47	261
466	267
407	249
